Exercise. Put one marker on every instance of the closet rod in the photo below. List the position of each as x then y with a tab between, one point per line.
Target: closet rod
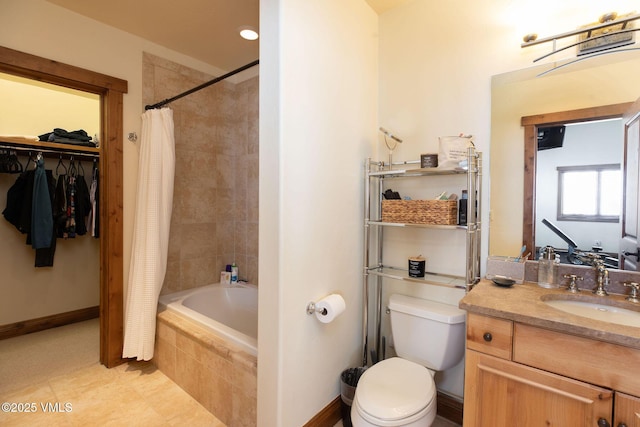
202	86
78	154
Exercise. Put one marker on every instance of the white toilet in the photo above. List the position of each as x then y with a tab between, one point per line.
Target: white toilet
400	391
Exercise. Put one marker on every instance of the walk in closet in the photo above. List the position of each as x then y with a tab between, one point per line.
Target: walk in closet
86	275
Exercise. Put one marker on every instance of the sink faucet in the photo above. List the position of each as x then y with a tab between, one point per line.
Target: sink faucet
602	274
602	278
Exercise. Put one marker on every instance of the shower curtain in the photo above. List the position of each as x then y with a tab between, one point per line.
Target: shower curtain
154	200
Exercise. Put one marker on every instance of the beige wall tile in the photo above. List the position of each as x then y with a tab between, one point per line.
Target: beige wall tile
188	372
216	178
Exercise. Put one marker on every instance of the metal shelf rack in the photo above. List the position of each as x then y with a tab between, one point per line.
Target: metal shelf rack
374	271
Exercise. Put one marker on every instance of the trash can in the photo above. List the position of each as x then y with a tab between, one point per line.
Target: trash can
348	382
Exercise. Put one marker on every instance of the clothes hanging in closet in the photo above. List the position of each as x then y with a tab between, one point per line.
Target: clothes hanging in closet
27	202
72	204
41	213
44	209
94	197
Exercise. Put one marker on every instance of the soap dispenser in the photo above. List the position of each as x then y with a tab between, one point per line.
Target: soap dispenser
547	266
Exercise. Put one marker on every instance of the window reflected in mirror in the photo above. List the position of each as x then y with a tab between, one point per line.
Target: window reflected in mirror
589	193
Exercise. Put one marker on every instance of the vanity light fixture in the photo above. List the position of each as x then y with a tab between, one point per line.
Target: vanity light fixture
248	33
606	36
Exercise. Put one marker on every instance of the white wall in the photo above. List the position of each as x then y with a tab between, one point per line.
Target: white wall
318	100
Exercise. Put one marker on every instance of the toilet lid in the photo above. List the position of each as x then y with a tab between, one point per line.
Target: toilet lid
394	389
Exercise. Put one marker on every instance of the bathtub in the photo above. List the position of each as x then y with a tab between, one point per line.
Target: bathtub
229	311
206	341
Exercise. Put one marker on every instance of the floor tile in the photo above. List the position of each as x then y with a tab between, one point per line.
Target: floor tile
85	393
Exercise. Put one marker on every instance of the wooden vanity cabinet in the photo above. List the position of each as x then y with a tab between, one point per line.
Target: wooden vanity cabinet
626	412
545	378
501	393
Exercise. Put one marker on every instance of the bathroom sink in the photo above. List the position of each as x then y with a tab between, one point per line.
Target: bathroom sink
595	309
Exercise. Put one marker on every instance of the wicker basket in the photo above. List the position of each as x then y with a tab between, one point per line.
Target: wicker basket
437	212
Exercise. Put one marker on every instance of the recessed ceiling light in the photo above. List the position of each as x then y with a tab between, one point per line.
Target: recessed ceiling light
248	33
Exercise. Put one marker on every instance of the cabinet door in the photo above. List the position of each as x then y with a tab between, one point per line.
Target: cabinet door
627	411
501	393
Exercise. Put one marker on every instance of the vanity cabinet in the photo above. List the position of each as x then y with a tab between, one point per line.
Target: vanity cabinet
626	411
378	177
523	375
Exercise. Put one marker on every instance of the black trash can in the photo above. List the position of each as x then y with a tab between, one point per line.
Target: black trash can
348	382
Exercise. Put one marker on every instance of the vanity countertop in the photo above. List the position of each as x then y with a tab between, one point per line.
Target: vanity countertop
523	304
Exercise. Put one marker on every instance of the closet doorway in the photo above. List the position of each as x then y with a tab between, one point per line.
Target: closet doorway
111	91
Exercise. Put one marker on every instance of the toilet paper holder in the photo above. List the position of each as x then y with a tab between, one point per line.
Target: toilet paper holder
311	309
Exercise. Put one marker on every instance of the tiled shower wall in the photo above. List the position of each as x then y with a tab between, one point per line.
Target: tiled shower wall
215	198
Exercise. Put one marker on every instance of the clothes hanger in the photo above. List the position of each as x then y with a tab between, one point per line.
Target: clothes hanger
63	167
14	163
26	167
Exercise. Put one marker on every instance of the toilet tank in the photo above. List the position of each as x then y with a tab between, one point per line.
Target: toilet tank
427	332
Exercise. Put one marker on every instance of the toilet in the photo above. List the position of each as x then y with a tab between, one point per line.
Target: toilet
400	391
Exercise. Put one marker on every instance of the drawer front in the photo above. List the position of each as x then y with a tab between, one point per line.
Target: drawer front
490	335
585	359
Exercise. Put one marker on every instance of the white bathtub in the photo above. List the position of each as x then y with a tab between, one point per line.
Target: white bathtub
229	311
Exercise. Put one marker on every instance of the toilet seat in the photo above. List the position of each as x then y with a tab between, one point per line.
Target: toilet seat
395	390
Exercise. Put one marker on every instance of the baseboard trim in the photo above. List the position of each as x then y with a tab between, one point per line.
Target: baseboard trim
450	408
47	322
328	416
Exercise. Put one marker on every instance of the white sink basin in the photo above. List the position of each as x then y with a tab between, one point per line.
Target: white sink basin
606	313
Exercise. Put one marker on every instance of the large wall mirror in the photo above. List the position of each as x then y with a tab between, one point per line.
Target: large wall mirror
582	99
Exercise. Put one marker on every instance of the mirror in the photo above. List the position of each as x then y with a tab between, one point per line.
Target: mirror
559	97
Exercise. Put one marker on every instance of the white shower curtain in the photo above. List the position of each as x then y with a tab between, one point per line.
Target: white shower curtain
148	265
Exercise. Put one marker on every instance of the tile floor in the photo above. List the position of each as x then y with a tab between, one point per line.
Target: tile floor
133	394
38	373
85	393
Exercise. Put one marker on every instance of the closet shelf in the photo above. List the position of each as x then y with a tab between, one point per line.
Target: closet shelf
436	279
54	146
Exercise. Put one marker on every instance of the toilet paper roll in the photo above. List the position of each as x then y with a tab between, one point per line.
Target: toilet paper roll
330	307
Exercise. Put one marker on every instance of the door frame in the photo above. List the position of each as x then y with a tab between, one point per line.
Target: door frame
630	118
111	91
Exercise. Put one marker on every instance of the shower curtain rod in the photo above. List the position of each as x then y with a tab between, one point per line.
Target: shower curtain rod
202	86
